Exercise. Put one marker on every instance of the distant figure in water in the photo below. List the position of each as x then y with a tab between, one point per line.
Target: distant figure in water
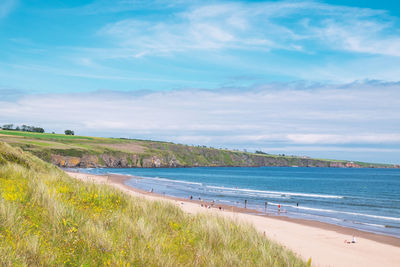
199	198
245	203
266	203
279	208
191	197
152	190
297	204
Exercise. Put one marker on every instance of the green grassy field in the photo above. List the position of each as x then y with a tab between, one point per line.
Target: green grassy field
46	136
50	219
116	152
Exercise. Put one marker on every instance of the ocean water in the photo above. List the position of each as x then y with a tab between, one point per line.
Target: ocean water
365	199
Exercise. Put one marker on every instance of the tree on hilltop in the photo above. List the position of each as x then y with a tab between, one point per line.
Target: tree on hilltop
8	126
69	132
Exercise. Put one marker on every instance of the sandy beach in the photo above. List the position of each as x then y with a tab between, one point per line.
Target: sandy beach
323	243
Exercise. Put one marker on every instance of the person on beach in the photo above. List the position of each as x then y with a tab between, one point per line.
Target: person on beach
191	197
279	208
352	241
266	203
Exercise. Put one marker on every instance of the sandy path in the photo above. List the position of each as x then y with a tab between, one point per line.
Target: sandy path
325	246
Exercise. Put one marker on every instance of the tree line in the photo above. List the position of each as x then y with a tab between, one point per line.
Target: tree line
32	129
24	128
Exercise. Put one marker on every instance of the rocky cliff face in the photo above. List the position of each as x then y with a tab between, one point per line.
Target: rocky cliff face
138	161
112	161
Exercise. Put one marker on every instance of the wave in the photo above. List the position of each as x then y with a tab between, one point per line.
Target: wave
345	212
120	173
172	181
250	194
279	194
371	224
275	192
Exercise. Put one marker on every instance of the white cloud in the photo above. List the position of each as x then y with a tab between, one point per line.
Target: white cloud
265	26
205	44
361	35
344	138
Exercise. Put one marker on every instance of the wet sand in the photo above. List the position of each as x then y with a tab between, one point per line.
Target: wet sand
322	242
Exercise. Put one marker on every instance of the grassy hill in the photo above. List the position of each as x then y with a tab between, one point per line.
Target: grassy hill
83	151
50	219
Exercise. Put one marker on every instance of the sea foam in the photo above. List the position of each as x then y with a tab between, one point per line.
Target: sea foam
276	192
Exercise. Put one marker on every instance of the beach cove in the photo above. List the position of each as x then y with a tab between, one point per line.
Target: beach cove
323	243
363	199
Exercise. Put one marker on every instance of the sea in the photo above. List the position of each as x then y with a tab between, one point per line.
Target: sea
364	199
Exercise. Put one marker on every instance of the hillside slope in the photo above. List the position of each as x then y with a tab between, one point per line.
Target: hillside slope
49	219
83	151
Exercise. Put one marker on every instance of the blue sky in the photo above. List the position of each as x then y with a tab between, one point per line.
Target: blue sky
318	78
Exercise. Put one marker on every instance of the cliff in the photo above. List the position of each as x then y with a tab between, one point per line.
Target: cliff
95	152
138	161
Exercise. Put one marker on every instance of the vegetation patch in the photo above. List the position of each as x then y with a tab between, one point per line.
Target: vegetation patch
44	145
50	219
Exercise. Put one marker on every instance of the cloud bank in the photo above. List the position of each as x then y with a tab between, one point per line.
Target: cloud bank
273	117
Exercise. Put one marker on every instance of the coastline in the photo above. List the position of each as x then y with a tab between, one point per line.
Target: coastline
322	242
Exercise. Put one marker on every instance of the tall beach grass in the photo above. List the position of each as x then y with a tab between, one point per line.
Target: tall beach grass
50	219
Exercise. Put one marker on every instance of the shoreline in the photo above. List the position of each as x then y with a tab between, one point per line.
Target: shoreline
378	237
394	167
292	233
382	238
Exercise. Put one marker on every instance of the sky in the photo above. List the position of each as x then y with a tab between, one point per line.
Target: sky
315	78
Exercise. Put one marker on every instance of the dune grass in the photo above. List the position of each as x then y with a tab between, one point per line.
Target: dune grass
50	219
